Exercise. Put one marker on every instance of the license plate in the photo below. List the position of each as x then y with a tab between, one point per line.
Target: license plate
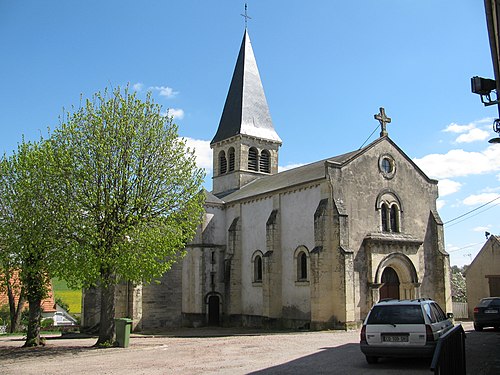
395	338
491	311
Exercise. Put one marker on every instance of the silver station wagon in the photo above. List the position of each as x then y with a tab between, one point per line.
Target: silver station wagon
403	328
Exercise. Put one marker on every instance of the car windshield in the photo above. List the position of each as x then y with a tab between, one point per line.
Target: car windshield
396	314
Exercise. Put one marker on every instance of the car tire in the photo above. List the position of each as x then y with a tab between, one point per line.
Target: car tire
371	359
477	327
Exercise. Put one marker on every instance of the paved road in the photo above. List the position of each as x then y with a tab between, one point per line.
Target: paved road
228	352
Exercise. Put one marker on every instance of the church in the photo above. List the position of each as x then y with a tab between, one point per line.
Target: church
309	248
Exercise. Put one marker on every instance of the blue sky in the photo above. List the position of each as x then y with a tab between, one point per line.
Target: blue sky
326	66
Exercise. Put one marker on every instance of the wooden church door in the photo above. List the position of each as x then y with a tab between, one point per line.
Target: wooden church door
390	284
213	311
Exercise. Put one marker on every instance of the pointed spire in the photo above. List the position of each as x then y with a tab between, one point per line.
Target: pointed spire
246	110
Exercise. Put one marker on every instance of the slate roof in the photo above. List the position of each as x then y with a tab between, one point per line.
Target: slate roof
246	111
308	173
291	177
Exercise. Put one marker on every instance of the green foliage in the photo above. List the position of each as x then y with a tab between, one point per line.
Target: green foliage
28	234
458	284
4	315
47	322
131	190
113	195
61	303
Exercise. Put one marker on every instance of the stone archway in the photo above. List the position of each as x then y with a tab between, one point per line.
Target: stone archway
399	275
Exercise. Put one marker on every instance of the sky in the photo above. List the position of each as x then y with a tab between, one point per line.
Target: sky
326	67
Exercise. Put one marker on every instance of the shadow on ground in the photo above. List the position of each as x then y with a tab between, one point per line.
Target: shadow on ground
346	359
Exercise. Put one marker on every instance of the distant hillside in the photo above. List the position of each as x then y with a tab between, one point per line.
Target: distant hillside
72	297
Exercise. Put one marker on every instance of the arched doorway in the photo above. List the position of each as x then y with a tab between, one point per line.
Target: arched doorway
213	311
390	284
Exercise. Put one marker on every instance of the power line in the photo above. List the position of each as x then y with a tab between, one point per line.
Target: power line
480	212
374	130
473	210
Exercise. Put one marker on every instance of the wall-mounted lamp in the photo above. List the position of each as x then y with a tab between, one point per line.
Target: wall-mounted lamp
484	87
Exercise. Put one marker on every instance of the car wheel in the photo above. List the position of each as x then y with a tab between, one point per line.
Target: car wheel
371	359
477	327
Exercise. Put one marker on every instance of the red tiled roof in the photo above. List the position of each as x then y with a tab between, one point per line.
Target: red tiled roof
48	304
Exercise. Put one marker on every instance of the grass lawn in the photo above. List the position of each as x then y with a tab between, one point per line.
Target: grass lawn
72	297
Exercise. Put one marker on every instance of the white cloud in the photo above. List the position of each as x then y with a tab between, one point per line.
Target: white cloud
455	128
470	132
202	151
473	135
447	187
164	91
459	163
175	113
482	229
289	166
476	199
440	204
138	86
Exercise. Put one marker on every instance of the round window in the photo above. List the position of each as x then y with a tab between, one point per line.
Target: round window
387	166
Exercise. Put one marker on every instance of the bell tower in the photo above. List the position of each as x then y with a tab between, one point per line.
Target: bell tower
246	145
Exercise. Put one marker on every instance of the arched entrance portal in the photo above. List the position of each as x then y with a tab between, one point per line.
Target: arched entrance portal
213	311
395	277
390	284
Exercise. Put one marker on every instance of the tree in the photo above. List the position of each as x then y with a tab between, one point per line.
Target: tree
131	195
10	284
28	230
458	284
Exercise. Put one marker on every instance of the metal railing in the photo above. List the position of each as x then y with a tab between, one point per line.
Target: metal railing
449	356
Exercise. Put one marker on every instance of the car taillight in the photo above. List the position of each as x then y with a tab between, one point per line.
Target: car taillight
429	335
476	310
363	334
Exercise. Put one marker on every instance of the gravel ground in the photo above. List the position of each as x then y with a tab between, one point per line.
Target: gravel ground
205	351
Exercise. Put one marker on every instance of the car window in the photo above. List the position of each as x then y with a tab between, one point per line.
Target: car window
495	303
396	314
484	302
440	315
428	312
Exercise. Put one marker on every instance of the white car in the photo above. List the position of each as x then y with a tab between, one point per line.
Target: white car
403	328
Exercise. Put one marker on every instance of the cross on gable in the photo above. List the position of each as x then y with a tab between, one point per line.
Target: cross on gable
384	120
246	16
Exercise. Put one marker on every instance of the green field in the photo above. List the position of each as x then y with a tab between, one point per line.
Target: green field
72	297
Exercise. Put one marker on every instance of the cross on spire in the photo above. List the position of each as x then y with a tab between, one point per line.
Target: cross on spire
246	16
384	120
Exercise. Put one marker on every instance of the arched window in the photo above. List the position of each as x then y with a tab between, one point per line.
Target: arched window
265	162
391	210
222	162
394	218
302	266
257	267
231	159
383	215
253	159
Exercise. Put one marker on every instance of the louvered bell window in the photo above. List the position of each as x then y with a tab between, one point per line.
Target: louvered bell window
253	159
231	159
265	162
222	163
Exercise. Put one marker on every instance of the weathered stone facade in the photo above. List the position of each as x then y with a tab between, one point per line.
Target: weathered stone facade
483	274
311	247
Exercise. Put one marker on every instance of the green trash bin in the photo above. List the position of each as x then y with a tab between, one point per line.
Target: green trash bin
123	328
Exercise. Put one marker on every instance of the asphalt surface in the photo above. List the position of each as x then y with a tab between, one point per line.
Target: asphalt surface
229	351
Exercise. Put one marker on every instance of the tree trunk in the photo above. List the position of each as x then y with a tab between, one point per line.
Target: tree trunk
35	316
107	314
15	318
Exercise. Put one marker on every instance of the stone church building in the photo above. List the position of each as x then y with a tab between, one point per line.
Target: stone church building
311	247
